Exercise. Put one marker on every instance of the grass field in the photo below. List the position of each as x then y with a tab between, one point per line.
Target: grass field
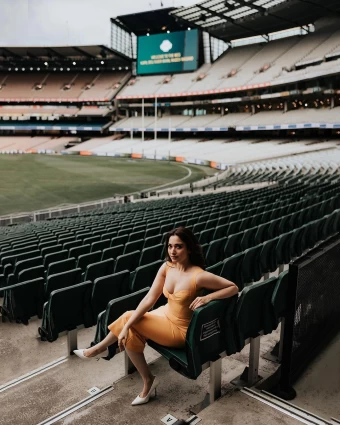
32	182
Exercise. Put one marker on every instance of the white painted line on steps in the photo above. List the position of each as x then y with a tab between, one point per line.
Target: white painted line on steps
76	406
32	374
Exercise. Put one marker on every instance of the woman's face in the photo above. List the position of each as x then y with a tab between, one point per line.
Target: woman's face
177	250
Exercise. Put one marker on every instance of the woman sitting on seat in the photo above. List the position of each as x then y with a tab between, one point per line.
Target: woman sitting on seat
182	280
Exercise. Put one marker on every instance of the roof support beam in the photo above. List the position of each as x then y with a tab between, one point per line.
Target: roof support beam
83	52
232	21
266	12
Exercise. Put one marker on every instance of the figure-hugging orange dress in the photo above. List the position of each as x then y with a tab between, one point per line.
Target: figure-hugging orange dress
166	325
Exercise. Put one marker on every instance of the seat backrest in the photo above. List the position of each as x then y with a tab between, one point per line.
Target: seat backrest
149	255
31	273
231	269
62	280
61	266
99	269
66	309
152	240
100	245
152	231
206	337
144	275
27	264
108	288
215	268
91	240
77	251
26	300
133	246
127	262
54	257
253	311
136	235
72	244
51	249
112	252
86	259
119	240
119	306
279	300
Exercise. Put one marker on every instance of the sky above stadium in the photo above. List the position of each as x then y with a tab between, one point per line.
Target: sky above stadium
67	22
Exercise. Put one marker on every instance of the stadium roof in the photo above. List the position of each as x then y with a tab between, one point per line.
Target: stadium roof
152	22
233	19
97	55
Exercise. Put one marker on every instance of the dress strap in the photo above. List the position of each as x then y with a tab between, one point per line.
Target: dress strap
193	279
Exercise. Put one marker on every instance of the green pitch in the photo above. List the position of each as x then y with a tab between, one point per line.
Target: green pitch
33	182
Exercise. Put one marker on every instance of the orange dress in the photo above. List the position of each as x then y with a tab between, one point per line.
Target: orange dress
166	325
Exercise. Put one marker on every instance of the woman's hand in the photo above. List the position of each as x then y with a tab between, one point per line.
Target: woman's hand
122	339
199	301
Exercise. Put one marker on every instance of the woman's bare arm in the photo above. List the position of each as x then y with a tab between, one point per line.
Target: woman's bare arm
222	288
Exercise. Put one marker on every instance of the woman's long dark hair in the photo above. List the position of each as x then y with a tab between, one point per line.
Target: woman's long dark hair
196	256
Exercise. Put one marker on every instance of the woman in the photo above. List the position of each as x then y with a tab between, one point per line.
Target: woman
182	280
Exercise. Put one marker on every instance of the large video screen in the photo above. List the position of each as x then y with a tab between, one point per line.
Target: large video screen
167	53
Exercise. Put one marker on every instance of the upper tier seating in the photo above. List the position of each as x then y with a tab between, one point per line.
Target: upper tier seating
60	86
256	64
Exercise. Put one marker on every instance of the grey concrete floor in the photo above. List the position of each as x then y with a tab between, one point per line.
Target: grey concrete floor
318	388
49	393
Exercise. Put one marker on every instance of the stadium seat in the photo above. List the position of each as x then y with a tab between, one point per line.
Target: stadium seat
108	288
23	301
112	252
65	310
100	269
77	251
62	280
61	266
149	255
135	245
127	261
144	275
86	259
202	344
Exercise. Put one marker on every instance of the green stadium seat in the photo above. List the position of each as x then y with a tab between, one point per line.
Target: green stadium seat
51	249
72	244
100	245
279	299
253	312
135	245
144	275
13	278
112	252
23	301
90	240
108	288
62	280
202	344
109	235
31	273
65	310
77	251
114	310
233	244
251	265
215	251
152	240
61	266
152	231
248	238
149	255
135	236
232	271
216	268
268	258
54	257
100	269
86	259
127	261
206	236
119	240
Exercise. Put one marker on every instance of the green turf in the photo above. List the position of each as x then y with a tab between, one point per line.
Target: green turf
33	182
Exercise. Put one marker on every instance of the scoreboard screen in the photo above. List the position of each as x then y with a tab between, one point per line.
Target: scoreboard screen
167	53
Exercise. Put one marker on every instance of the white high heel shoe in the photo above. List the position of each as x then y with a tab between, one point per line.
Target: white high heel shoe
80	354
142	400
